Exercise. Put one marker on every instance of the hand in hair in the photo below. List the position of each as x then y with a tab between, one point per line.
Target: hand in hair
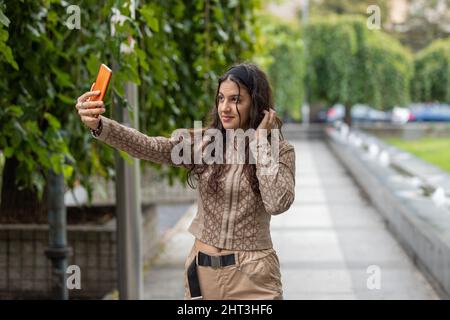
267	123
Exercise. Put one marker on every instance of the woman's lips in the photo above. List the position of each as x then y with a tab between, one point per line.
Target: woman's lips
227	119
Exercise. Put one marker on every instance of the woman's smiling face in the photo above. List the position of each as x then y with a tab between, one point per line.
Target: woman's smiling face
230	96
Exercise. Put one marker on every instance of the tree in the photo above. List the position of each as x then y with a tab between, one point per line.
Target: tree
281	51
390	70
349	64
432	73
335	69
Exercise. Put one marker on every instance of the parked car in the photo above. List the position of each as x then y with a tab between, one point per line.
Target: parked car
359	113
365	113
321	115
335	113
401	115
430	111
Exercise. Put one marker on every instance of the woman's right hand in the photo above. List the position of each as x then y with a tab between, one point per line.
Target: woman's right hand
267	123
89	111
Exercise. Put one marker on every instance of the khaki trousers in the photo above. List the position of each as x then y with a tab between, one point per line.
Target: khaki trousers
256	275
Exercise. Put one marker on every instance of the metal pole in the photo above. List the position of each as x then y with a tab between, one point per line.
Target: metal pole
304	20
128	202
57	251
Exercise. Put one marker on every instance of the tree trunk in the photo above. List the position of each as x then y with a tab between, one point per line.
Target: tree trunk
20	206
348	116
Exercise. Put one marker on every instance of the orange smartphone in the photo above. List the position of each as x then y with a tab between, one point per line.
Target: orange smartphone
101	83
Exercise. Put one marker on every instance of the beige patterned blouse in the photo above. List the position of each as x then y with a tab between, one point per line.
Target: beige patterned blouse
235	218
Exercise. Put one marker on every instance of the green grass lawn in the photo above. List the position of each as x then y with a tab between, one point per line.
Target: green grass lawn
433	150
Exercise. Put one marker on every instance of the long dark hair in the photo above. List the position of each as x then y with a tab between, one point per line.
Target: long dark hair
253	79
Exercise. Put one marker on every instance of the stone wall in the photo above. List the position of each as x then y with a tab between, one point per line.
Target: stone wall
25	271
414	130
420	225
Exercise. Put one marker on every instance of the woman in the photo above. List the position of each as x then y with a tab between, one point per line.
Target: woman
232	256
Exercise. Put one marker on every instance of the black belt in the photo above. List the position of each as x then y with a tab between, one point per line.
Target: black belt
205	261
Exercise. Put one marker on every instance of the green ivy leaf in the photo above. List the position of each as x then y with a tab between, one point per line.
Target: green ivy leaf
8	152
93	64
16	139
32	127
6	51
55	161
62	78
15	111
67	171
54	123
148	14
66	99
4	19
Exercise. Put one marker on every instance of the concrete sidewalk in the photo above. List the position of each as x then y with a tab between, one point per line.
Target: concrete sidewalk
331	242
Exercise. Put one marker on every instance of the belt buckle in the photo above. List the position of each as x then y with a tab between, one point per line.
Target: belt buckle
215	262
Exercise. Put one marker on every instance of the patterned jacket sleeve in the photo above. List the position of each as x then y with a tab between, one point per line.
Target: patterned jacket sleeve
135	143
276	182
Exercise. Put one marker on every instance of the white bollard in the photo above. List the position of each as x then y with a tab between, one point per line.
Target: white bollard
384	158
373	150
439	197
344	131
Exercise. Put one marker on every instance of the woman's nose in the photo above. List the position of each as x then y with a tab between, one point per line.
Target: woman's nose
227	106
